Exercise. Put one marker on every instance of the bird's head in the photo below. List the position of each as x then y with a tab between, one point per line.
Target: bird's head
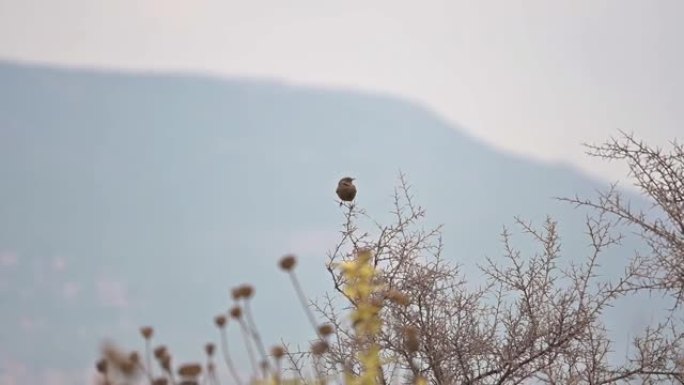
346	179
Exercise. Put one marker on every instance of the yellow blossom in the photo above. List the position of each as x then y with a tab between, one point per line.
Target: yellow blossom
360	287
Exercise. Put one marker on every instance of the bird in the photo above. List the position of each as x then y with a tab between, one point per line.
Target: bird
346	190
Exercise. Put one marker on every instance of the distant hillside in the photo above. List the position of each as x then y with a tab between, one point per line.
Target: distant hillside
135	198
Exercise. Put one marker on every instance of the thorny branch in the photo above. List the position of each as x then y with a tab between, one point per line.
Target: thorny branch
534	319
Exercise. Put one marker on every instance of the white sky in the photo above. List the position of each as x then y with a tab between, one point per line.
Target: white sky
534	77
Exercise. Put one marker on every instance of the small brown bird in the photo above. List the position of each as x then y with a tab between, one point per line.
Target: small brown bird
346	189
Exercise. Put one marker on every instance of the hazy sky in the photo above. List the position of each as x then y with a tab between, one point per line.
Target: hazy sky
536	77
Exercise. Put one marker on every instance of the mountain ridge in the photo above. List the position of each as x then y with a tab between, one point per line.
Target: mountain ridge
263	82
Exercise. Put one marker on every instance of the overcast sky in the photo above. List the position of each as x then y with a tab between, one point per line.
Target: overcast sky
535	77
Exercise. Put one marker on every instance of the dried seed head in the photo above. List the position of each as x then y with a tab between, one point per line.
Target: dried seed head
278	352
319	347
120	360
209	349
126	367
326	330
160	351
398	297
134	357
147	332
364	254
220	320
246	291
190	370
165	362
236	312
411	341
235	293
288	262
377	301
101	366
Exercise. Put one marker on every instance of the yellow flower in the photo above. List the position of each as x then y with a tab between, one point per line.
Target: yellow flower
360	287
